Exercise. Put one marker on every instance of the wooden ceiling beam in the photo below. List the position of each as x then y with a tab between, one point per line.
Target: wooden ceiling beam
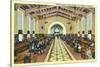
57	14
52	11
75	11
38	9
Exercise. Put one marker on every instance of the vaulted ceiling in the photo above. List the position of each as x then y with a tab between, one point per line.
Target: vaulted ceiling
45	11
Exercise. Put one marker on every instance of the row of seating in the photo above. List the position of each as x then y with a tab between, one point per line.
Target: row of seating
36	45
81	45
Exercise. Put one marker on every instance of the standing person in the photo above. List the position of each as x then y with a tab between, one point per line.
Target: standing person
30	45
33	46
73	43
76	46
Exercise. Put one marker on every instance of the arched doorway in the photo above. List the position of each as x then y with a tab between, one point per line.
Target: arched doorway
57	27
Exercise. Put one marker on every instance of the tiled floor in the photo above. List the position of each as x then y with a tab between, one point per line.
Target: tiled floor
58	52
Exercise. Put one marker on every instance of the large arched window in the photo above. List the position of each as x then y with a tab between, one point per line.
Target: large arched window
20	35
83	23
78	26
90	26
90	22
19	21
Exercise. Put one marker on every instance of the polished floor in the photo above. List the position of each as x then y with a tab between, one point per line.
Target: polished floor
58	52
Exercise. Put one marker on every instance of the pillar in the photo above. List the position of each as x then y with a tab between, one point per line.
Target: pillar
30	24
86	25
36	24
24	24
75	27
80	25
16	22
93	23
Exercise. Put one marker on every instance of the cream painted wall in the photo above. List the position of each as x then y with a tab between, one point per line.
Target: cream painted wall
52	20
74	26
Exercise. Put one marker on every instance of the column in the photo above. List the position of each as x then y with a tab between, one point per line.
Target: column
20	22
80	25
93	23
75	27
24	24
33	27
30	24
15	21
37	24
86	25
90	26
33	24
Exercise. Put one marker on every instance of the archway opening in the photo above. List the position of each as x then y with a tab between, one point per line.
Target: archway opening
56	28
